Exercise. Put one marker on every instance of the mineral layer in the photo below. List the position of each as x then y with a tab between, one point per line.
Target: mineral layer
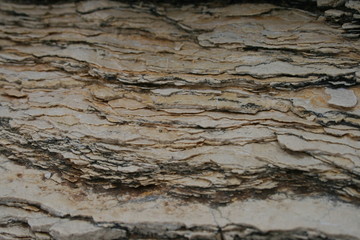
165	120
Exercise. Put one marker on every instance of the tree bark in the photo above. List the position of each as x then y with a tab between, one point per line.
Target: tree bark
155	120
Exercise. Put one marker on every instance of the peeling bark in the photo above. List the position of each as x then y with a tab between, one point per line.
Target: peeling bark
155	121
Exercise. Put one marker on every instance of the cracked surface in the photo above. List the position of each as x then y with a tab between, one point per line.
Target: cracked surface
143	121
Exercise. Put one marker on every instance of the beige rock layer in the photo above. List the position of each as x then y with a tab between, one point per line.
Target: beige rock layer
143	121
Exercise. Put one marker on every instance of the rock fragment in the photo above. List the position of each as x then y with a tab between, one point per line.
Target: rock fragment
330	3
342	98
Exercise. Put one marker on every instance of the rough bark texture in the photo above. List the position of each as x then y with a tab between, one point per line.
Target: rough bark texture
160	121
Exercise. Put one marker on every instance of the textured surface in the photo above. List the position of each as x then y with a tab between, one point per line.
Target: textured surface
152	121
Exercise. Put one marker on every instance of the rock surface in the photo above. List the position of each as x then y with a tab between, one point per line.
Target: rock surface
348	16
342	98
157	121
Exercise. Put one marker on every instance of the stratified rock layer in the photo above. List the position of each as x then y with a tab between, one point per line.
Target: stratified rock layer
154	121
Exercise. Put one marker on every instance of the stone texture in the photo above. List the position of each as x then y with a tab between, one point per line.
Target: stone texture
330	3
348	16
342	98
164	121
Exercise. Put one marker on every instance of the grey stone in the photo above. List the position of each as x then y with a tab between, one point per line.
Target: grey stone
342	97
330	3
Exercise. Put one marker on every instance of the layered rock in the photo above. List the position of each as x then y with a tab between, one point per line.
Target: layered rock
143	121
343	12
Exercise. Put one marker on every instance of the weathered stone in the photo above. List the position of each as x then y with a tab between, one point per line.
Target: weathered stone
330	3
75	229
342	97
353	4
334	13
157	120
